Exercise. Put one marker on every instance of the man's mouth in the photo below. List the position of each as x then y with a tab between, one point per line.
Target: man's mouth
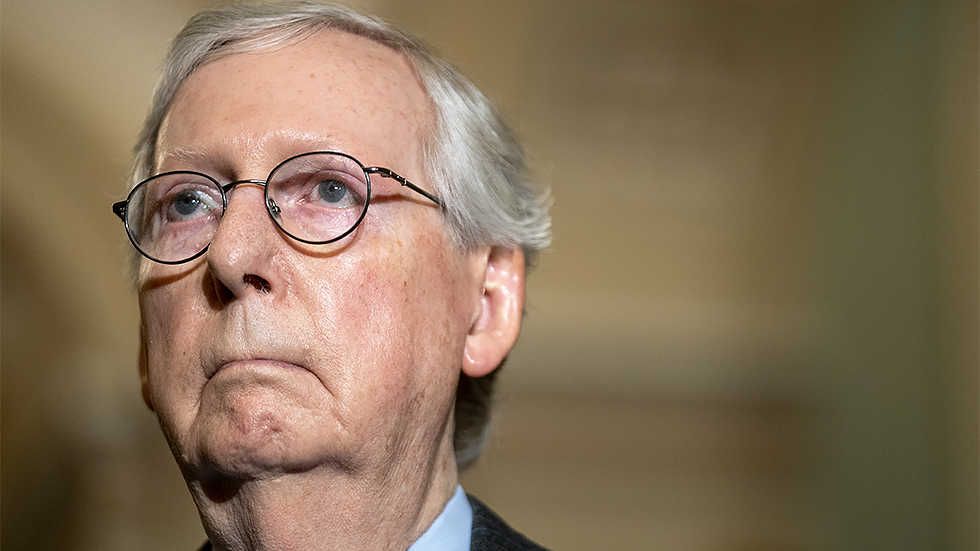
254	363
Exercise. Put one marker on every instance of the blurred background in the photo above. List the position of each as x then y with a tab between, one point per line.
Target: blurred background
757	328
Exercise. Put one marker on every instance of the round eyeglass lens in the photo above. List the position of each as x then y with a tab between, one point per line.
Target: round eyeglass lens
318	197
172	217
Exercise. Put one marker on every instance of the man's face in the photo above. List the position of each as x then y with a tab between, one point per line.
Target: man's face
266	356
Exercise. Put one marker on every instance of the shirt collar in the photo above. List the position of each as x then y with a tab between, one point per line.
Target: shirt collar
451	530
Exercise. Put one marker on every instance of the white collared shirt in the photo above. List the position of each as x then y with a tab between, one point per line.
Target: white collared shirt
452	528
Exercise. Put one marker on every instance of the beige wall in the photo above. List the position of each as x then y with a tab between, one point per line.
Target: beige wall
757	328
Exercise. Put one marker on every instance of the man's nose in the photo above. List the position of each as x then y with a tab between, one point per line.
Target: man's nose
241	254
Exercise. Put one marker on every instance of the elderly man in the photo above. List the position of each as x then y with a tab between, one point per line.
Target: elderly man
322	369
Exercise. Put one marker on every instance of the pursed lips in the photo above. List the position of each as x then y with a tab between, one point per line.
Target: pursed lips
255	362
275	357
250	346
261	365
255	349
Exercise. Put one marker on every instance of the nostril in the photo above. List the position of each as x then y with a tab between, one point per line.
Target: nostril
260	284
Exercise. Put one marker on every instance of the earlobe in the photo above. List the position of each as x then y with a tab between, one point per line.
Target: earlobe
495	329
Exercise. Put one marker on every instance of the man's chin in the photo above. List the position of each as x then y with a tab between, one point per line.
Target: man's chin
247	463
245	456
251	432
253	458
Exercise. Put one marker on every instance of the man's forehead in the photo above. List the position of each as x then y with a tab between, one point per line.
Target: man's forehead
321	88
329	58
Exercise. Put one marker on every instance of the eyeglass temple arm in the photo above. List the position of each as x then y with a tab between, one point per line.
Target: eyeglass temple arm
387	173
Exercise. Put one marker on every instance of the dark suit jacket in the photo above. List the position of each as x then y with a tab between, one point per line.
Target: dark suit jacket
490	532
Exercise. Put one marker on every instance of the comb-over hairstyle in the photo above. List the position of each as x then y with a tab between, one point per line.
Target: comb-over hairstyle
471	157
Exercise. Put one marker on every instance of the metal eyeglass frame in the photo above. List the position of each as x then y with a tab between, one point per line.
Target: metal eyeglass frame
120	208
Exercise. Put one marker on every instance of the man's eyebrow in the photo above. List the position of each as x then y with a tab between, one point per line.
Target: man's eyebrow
188	156
279	145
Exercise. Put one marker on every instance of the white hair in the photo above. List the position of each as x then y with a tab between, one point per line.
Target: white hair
471	157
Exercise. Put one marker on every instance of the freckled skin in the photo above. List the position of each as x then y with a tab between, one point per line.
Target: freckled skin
342	370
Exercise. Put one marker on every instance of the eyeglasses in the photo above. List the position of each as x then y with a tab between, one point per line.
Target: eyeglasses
315	198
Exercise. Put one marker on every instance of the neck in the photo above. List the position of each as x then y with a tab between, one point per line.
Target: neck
318	510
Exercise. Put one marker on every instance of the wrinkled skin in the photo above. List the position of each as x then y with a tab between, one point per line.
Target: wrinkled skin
280	370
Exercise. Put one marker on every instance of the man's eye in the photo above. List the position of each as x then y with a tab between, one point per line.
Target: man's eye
189	204
186	203
334	192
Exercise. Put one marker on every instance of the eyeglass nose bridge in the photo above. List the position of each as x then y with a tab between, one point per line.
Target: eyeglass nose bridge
274	209
229	186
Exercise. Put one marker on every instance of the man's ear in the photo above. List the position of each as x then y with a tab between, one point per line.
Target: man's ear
144	368
498	320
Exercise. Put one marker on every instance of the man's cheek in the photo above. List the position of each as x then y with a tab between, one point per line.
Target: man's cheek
171	351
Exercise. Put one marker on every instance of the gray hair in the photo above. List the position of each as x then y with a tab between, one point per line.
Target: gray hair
471	157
